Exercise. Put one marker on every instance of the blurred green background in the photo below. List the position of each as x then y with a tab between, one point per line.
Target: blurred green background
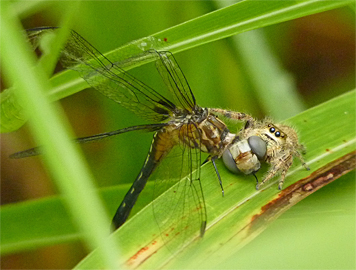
316	51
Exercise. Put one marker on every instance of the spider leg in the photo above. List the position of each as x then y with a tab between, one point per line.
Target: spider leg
300	157
233	115
282	165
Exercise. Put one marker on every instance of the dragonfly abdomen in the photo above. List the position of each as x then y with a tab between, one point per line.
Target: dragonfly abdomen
163	141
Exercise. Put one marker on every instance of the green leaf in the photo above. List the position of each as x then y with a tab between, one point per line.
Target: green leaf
37	223
230	218
64	161
327	133
227	216
232	20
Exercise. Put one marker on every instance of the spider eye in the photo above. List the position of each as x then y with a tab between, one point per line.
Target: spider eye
258	146
272	129
278	134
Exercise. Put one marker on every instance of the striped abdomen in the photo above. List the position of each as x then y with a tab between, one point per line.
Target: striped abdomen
163	142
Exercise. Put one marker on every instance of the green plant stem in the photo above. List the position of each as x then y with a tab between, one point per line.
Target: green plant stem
64	161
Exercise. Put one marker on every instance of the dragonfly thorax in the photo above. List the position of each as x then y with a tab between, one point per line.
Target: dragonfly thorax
205	132
196	115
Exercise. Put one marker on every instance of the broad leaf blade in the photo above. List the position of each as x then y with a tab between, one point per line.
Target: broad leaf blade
47	223
229	217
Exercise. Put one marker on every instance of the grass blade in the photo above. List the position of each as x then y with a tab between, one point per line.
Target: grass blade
63	159
232	20
50	224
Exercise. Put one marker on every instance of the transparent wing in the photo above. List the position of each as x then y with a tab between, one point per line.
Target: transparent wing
175	80
180	212
113	82
110	79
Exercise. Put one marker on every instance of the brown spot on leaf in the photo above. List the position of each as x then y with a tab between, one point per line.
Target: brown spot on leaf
303	188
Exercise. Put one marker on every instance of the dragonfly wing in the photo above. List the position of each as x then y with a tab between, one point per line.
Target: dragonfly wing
109	78
175	80
180	211
171	74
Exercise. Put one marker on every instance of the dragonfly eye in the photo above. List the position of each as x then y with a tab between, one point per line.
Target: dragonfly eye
229	161
258	146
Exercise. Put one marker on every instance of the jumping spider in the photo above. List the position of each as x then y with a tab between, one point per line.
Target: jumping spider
275	144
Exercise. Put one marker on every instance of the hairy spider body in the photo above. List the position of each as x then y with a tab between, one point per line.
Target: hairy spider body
262	141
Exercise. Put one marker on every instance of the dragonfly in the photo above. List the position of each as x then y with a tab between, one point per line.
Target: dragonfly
182	132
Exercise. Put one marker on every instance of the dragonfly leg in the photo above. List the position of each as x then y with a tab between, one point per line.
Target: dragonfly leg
217	173
216	170
207	160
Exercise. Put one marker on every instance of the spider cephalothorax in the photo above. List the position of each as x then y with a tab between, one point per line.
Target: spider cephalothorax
263	141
